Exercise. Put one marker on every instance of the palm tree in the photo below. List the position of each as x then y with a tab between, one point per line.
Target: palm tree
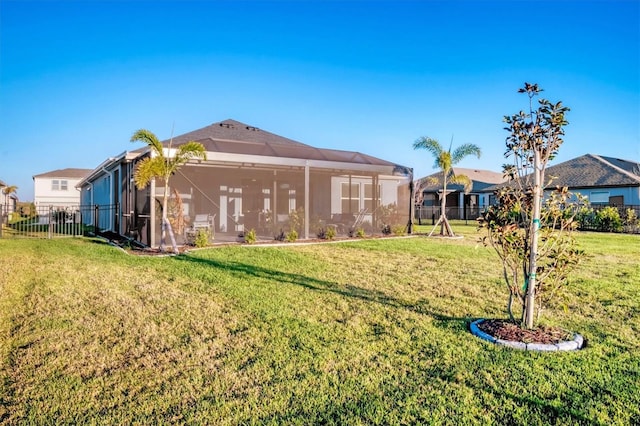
445	160
11	189
161	166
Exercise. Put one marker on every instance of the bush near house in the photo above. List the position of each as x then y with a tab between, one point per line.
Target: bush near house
608	219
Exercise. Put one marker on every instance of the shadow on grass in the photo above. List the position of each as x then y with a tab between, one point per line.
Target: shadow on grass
375	296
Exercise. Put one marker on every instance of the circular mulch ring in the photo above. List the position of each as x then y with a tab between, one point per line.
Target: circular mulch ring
506	333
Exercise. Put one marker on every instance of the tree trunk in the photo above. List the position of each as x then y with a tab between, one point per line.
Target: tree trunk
172	237
165	217
445	228
533	254
166	225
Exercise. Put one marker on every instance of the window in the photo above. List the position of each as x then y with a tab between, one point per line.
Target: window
599	197
350	197
369	196
59	185
429	200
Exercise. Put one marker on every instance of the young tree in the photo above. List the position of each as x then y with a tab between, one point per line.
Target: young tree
161	164
445	160
533	238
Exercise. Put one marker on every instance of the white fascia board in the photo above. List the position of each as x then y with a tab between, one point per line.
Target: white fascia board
101	168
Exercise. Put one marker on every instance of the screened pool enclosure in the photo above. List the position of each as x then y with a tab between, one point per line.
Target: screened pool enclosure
253	180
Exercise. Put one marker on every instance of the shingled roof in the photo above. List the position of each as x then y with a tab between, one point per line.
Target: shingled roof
234	137
593	171
481	179
69	173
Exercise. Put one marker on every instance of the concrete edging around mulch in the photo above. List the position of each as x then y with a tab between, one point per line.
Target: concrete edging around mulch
568	345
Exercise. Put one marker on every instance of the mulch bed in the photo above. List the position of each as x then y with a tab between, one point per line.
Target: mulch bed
140	250
506	330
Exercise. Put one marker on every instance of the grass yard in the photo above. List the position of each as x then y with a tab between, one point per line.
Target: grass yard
367	332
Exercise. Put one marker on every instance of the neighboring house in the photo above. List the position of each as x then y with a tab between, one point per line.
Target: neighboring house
8	202
58	188
603	180
252	179
458	205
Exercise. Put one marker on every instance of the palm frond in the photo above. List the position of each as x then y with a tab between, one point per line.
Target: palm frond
462	180
431	145
9	189
190	150
149	138
463	151
148	169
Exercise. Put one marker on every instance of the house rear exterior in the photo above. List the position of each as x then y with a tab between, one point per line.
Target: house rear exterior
57	188
458	205
252	179
602	180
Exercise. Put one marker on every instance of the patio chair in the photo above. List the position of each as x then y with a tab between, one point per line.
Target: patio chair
203	221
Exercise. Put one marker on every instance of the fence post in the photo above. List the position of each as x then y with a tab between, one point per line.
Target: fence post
50	222
1	219
96	213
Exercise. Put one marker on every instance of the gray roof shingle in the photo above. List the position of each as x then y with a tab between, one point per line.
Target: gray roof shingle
592	171
234	137
69	173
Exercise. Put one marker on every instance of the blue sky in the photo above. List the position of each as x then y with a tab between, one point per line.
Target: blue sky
77	78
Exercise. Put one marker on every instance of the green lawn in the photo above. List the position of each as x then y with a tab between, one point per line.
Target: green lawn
365	332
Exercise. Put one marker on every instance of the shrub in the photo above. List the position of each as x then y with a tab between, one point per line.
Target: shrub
296	219
292	236
327	233
608	220
631	221
585	217
398	230
331	233
250	236
202	238
360	233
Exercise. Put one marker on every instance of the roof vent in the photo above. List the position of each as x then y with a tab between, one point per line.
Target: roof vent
253	129
227	125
